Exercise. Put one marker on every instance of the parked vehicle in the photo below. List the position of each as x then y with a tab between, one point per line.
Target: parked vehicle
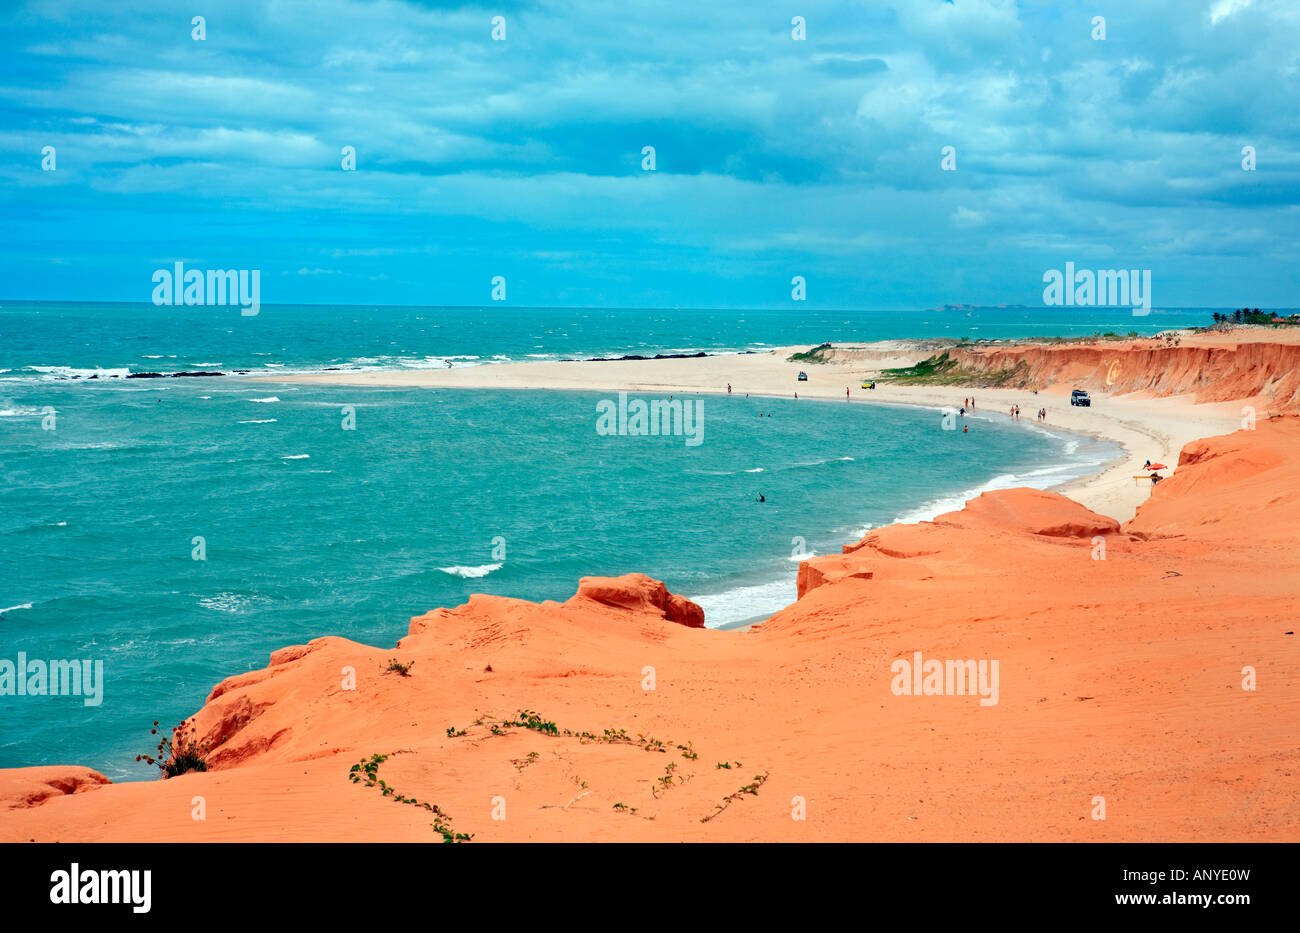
803	377
1080	397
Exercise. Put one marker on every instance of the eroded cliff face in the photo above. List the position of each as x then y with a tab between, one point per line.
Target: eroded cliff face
1221	373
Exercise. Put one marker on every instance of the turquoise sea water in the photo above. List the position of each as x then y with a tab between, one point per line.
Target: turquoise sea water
311	529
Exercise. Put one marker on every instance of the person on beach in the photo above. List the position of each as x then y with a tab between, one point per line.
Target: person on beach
846	393
1017	412
728	388
962	411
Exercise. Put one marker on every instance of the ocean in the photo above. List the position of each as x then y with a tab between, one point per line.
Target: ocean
181	529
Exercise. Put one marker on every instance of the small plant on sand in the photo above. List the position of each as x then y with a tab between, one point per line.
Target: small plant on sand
751	788
453	732
528	719
521	763
397	667
366	771
179	752
665	781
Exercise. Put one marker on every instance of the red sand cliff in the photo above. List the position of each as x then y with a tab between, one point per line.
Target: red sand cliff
1212	367
1119	678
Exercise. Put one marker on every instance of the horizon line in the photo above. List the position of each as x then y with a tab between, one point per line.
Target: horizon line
483	307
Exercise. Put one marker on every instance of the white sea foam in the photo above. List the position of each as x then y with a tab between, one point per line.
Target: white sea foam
269	398
296	457
231	602
68	372
15	608
747	603
261	421
471	572
1041	478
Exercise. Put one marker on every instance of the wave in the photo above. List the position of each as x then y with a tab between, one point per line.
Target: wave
269	398
815	463
24	411
15	608
747	603
363	363
296	457
260	421
73	372
231	602
1041	478
471	572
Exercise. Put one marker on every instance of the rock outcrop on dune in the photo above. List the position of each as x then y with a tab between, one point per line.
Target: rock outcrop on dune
1212	368
1152	665
989	515
31	787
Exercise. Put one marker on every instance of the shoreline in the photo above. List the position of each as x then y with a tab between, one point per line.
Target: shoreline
931	508
1144	427
1109	488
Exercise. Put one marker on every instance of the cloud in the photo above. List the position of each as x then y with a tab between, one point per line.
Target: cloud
1222	9
824	153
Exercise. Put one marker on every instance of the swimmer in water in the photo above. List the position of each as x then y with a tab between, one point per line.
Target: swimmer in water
761	497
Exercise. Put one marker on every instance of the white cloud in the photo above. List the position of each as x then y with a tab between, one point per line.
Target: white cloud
1222	9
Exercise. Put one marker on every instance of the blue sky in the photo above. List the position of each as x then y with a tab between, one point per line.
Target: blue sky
774	157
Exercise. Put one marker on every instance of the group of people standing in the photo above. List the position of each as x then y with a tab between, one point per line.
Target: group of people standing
1041	415
968	404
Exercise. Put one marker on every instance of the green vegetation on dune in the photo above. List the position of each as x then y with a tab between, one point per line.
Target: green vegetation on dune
815	355
943	370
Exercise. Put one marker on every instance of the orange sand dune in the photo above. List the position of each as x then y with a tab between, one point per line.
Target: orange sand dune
1118	678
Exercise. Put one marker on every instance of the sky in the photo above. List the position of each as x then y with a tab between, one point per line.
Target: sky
775	157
